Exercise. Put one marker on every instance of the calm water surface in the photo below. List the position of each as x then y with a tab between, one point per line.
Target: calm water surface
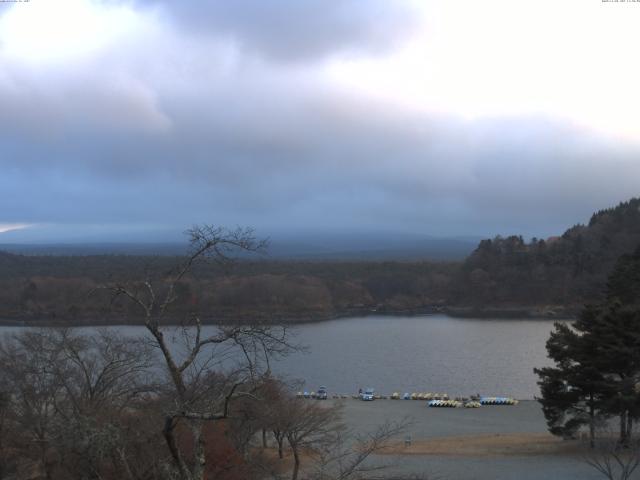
432	353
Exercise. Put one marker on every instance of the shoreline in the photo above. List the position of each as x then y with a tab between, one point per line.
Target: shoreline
506	313
489	445
496	442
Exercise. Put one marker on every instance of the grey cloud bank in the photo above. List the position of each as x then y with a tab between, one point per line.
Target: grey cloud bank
293	30
157	132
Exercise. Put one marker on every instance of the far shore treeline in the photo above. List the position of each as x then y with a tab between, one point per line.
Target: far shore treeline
505	276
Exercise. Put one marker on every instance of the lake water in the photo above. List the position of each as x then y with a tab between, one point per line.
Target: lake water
431	353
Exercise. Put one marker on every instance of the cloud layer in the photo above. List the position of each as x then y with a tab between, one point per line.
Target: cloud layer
232	114
290	30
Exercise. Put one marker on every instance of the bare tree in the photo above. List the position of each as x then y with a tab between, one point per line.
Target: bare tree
101	370
93	406
314	430
7	457
273	411
308	425
106	388
613	460
197	392
32	393
67	398
348	455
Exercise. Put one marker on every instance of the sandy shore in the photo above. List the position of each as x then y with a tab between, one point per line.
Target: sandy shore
510	444
491	442
489	430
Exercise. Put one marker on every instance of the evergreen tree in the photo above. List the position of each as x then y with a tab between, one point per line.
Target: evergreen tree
597	360
571	391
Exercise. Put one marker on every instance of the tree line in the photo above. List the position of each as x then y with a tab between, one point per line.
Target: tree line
566	271
58	291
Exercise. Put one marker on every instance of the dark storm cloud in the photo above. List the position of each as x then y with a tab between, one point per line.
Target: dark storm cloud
327	163
174	130
294	30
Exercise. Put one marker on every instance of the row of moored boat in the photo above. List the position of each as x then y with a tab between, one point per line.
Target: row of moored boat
438	400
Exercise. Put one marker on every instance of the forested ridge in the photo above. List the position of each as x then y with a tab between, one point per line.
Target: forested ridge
565	271
507	275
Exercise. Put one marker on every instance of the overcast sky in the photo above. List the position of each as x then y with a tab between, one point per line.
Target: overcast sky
124	120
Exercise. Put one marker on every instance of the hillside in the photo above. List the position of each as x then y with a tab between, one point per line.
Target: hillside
506	276
565	271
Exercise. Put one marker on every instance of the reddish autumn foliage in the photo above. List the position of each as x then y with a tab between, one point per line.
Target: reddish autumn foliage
224	462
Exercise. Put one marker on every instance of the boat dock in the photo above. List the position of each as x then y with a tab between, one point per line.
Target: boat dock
436	400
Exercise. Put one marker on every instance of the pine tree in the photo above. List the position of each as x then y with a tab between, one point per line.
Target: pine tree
597	360
571	391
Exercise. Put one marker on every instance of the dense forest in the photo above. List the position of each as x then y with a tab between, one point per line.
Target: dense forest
559	272
504	275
